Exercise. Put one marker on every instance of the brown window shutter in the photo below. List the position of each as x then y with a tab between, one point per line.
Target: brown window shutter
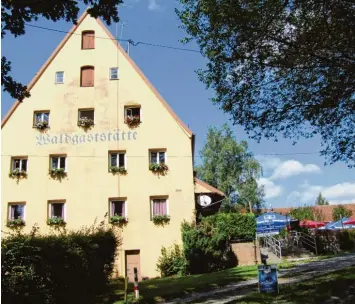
87	76
88	40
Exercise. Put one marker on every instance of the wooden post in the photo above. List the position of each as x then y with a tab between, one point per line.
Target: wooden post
125	289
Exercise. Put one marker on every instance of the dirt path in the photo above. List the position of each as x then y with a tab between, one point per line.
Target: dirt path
286	276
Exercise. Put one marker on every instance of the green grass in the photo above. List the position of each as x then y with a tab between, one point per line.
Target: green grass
313	291
158	290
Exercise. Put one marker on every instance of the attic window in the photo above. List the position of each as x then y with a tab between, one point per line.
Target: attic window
87	76
88	40
113	73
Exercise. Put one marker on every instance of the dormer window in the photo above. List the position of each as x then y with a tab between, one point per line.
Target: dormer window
88	40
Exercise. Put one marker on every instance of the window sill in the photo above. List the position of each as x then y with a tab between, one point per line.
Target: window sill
114	79
83	49
91	86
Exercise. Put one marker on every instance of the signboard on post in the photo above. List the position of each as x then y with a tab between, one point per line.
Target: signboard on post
268	280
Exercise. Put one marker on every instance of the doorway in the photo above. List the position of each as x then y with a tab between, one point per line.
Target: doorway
133	261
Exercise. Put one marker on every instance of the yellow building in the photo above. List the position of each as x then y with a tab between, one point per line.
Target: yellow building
87	142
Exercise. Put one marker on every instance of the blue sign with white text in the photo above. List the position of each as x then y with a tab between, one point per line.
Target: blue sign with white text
268	282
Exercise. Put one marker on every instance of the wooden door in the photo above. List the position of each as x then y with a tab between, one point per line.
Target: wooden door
133	261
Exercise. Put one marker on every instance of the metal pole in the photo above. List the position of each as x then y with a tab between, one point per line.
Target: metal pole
136	289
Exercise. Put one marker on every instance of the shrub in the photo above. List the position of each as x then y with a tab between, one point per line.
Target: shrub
70	267
172	261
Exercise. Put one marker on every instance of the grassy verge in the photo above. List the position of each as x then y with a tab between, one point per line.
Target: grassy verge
158	290
317	290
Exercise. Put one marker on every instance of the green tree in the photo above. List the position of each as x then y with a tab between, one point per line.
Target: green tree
303	213
340	211
321	201
16	13
230	167
281	68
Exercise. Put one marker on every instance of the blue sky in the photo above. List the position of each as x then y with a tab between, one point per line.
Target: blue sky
290	179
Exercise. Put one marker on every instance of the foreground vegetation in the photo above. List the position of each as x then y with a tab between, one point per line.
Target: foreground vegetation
158	290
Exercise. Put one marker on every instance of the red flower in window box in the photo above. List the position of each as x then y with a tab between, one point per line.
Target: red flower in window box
133	121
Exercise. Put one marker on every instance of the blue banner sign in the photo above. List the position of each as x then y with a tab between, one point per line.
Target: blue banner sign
268	281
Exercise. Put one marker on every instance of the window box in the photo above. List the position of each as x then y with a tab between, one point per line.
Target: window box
118	220
56	221
158	168
117	162
16	215
16	223
132	116
161	219
58	167
85	122
41	120
17	173
19	168
120	170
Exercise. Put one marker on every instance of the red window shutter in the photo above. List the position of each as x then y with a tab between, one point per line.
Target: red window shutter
88	40
87	76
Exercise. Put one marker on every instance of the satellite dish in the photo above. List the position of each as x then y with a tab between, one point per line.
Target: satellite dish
204	200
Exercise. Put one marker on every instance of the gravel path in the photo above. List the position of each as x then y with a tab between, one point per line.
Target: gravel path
299	273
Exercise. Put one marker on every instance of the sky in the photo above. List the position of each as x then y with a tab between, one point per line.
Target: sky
293	174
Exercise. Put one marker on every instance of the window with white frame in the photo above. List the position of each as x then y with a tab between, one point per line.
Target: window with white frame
19	164
56	210
113	73
16	211
41	117
133	112
58	162
160	206
157	157
59	77
118	159
118	208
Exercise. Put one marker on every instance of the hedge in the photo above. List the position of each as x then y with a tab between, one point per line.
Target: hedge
234	226
70	267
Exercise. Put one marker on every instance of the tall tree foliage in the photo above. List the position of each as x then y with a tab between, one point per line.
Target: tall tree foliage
340	211
281	68
321	201
16	13
230	167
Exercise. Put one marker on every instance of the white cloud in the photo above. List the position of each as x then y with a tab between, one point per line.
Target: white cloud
308	193
341	202
153	5
271	189
279	169
268	162
291	168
